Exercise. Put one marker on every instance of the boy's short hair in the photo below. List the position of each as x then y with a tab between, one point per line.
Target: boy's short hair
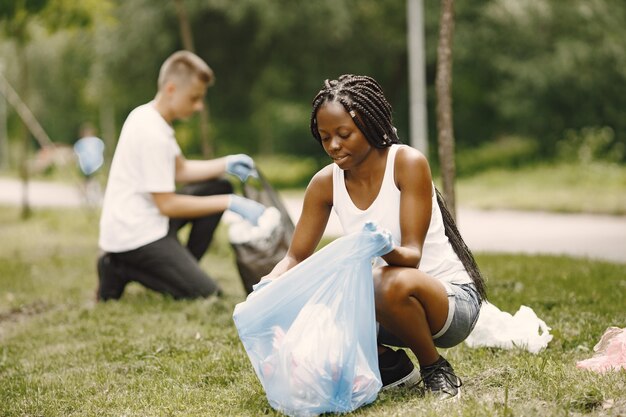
183	65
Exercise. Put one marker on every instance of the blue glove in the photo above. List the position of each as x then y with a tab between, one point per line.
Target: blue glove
246	208
241	166
382	238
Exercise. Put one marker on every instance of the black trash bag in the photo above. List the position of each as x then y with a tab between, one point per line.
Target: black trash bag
256	259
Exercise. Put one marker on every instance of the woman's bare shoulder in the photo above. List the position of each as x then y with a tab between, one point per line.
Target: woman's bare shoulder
407	155
411	165
321	185
323	177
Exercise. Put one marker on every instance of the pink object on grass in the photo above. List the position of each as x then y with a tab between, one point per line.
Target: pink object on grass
610	352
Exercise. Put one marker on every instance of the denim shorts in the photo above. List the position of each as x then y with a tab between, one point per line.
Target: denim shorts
464	307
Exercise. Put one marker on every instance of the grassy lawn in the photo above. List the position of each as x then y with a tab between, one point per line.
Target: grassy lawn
61	354
580	188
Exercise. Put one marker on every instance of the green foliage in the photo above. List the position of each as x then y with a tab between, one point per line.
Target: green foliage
285	171
61	354
591	144
521	69
564	187
45	59
11	9
559	67
505	152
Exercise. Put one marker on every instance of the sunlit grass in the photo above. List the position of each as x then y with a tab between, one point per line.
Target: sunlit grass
587	188
61	354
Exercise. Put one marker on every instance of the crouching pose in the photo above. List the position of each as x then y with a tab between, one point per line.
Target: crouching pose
143	210
428	289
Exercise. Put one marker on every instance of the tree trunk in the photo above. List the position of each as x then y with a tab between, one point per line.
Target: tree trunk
206	142
24	174
445	130
29	122
4	134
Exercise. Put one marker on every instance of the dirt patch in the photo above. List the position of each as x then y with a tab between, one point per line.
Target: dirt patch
21	313
24	310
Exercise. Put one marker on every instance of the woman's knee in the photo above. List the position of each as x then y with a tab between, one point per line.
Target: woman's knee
392	287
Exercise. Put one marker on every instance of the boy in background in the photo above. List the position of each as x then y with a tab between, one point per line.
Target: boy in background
142	211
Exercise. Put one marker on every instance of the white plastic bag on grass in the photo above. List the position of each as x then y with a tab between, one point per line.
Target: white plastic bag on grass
311	334
500	329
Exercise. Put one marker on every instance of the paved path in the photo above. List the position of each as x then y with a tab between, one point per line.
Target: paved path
598	237
40	193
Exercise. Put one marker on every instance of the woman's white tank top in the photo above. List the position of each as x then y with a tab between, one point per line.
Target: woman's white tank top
438	258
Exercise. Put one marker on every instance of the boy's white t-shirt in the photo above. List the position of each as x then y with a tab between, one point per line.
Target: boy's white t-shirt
144	163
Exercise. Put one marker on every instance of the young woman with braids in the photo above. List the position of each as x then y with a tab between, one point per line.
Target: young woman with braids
428	289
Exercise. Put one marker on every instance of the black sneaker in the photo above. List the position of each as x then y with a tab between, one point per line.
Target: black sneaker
441	381
397	370
110	279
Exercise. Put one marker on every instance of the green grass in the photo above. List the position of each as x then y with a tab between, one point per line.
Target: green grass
574	188
61	354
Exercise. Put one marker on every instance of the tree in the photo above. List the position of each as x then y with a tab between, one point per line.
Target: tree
17	18
445	127
208	150
537	69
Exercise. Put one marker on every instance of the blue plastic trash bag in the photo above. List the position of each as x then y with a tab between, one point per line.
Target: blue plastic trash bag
90	153
311	334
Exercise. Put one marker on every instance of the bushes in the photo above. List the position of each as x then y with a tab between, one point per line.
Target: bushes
506	152
584	146
287	171
591	144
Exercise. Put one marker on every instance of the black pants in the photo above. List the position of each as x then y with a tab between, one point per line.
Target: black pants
166	266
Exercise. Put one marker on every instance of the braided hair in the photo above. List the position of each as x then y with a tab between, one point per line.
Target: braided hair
362	97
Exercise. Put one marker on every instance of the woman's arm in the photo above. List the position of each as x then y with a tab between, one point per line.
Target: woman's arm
318	201
413	179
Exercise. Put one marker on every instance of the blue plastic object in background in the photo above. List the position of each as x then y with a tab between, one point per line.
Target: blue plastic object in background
90	153
311	334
